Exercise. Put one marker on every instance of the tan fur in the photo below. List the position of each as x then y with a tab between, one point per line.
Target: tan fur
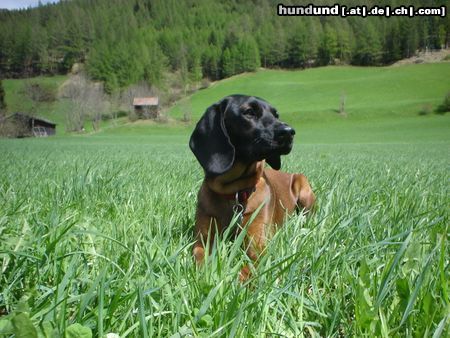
282	194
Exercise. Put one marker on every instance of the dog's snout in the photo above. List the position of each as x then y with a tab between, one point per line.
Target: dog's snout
289	130
284	131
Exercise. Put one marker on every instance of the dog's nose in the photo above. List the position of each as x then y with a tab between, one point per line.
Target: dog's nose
289	130
285	131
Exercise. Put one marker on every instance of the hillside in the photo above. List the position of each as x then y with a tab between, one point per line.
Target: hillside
57	109
307	99
381	103
18	101
314	95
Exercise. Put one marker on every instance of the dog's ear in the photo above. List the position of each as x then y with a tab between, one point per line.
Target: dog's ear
274	161
210	142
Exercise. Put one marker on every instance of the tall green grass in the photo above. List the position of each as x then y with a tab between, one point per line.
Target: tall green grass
97	232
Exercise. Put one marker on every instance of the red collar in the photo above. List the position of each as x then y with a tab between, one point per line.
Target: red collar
240	196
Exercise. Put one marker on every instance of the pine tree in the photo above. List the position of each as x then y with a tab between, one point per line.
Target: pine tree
228	65
155	62
303	43
278	53
408	38
247	55
266	40
328	47
298	46
344	42
21	56
195	68
392	51
368	46
211	62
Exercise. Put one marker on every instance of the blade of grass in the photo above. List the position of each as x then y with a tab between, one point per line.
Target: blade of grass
141	313
207	302
417	285
441	327
389	270
101	303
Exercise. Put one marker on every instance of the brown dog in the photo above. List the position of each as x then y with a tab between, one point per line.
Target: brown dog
232	142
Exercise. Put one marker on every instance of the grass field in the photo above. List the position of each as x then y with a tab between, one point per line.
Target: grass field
314	95
96	231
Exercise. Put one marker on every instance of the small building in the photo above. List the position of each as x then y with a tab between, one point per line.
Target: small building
23	125
146	107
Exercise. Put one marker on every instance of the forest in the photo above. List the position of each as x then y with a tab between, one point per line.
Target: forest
122	42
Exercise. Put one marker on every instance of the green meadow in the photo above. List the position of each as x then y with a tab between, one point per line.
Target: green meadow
96	230
314	95
18	101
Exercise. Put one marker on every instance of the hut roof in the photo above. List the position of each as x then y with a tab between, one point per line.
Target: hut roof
146	101
24	116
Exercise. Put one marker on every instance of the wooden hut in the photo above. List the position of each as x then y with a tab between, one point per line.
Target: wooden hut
146	107
23	125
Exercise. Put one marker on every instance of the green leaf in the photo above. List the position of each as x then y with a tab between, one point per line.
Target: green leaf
440	328
141	311
78	331
22	305
6	327
23	326
388	273
207	302
403	291
418	284
47	330
206	321
384	327
364	311
442	271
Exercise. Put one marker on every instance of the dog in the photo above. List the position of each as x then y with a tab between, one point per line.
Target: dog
232	142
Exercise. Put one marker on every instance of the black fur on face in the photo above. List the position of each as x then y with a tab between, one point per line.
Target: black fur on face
240	128
255	130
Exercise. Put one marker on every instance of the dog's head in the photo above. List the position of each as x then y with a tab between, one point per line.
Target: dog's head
240	128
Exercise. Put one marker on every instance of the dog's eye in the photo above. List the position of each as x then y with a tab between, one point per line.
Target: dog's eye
250	112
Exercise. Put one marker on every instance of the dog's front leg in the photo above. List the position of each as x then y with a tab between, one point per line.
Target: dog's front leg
255	242
204	234
305	195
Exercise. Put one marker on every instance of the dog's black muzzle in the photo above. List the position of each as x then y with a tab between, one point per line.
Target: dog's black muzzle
284	136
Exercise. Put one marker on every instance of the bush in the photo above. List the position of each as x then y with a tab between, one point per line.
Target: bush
11	128
106	116
132	116
39	92
121	113
205	83
426	109
444	107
